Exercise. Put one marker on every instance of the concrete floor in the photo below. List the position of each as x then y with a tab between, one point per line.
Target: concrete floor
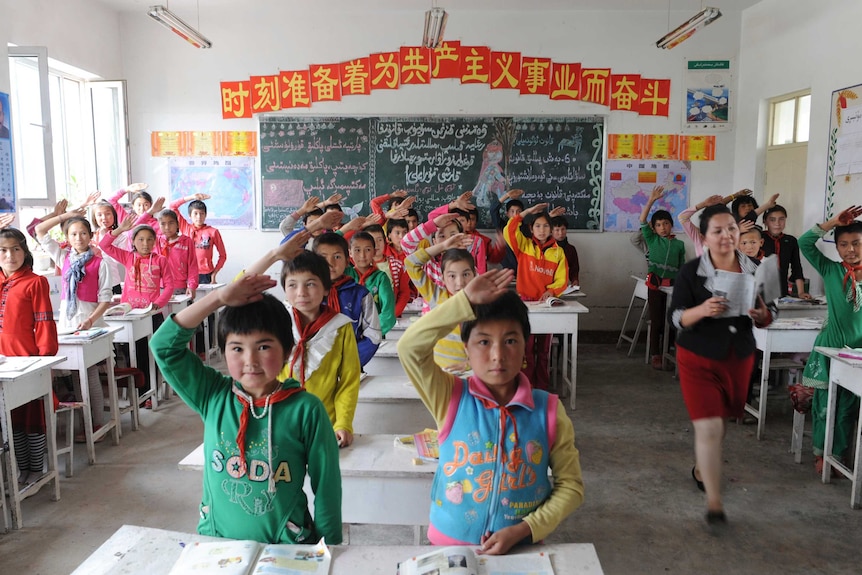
642	510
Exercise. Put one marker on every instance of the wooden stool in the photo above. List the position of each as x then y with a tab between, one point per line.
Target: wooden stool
69	407
640	292
132	379
3	506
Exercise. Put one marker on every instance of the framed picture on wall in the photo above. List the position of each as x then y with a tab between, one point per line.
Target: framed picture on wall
708	103
7	168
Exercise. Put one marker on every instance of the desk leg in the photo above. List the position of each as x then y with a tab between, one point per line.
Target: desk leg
11	463
86	415
51	436
856	489
154	377
764	388
830	431
573	364
112	400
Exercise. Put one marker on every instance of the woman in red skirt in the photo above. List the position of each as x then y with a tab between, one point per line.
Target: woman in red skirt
715	353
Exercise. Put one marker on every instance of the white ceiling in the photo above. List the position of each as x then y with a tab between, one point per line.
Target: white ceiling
187	8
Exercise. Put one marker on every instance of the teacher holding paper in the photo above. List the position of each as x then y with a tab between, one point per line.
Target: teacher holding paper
715	354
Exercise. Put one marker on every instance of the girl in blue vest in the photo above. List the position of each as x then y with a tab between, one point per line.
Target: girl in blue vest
498	436
86	288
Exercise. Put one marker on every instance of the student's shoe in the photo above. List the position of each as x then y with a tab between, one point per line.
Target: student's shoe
697	481
657	362
148	404
818	468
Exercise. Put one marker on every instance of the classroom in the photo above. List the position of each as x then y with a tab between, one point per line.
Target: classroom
777	49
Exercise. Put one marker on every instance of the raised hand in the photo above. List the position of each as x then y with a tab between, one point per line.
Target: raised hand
771	202
444	220
713	200
656	194
745	226
91	199
489	286
535	209
247	289
463	202
292	247
333	199
309	205
461	240
398	194
127	224
157	206
201	196
373	219
6	220
512	194
558	211
846	217
59	208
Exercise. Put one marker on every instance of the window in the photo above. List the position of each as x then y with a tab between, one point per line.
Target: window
789	119
70	135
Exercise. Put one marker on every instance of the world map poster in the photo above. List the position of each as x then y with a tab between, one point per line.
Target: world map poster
228	180
628	185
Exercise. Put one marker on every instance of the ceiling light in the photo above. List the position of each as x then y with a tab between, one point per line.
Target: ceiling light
170	20
435	24
685	31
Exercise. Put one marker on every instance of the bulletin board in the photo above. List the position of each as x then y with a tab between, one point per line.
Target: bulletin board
554	159
844	161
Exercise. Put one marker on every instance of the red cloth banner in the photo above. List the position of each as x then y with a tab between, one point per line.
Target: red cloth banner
295	89
535	75
325	82
625	92
655	97
596	85
446	60
415	65
356	77
565	81
475	64
505	70
235	100
384	70
265	94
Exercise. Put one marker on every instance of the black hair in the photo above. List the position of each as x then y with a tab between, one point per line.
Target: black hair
707	214
514	204
315	212
412	213
362	236
455	223
660	215
851	228
559	222
139	229
168	213
743	201
76	220
754	228
474	213
331	207
267	315
541	215
197	205
15	234
374	228
310	262
104	204
463	213
776	208
396	224
331	239
508	306
143	195
453	255
396	201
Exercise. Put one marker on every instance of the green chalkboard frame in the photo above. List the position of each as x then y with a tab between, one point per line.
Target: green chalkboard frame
558	159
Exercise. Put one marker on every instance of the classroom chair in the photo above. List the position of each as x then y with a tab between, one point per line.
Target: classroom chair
641	292
3	506
68	408
131	379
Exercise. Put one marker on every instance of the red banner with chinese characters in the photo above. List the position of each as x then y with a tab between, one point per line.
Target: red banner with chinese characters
505	70
235	100
475	64
625	92
325	82
654	98
415	65
384	71
565	82
356	77
446	60
596	85
265	94
535	75
295	89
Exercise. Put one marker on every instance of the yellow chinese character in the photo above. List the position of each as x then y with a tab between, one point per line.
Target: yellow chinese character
566	82
535	74
475	64
596	84
324	83
296	89
412	67
505	62
624	96
233	101
267	93
651	96
355	78
388	72
444	52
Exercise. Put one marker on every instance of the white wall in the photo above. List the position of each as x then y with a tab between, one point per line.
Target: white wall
790	45
175	87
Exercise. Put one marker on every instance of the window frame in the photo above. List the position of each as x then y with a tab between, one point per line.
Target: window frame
795	97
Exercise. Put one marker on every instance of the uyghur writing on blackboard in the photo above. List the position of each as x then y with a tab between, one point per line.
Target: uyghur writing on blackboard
554	159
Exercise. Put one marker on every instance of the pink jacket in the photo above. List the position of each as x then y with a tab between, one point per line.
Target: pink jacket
148	278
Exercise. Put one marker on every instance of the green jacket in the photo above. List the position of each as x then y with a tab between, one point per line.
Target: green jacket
666	255
380	286
240	505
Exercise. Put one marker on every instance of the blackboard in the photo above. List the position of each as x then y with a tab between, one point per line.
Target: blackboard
553	159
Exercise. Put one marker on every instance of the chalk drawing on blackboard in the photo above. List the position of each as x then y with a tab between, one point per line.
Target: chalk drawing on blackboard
492	181
283	193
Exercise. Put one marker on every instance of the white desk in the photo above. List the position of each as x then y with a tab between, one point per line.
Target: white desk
666	355
846	373
379	482
177	303
209	346
801	309
16	389
390	404
79	356
148	551
133	328
562	320
783	336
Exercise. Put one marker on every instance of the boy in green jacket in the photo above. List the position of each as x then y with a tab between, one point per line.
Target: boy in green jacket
366	273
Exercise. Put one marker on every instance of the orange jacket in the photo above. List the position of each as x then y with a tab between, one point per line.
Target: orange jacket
540	268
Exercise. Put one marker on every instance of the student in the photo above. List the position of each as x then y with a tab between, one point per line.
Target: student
85	292
141	202
392	267
786	248
715	354
180	253
559	229
666	256
27	328
543	273
496	411
745	207
461	207
318	222
395	232
437	229
348	297
513	207
412	219
458	269
399	204
751	242
105	221
309	211
842	283
365	273
206	238
260	433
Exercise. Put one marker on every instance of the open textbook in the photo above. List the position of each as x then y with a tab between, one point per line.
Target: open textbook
741	289
230	557
464	561
550	302
124	309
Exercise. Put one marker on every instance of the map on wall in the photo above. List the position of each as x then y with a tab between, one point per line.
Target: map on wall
228	180
628	185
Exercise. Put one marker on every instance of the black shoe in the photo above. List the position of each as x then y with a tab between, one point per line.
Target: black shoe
697	481
716	518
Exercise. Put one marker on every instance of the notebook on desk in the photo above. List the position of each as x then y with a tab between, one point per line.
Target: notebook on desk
11	364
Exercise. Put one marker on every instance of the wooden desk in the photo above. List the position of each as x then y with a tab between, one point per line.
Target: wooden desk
379	482
783	336
79	356
390	404
133	328
16	389
562	320
148	551
846	373
209	346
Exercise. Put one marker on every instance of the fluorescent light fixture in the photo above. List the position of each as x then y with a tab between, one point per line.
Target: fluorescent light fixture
686	30
170	20
435	24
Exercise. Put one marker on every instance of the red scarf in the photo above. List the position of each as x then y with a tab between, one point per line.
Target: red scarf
504	414
364	276
306	332
776	241
850	276
265	402
332	300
